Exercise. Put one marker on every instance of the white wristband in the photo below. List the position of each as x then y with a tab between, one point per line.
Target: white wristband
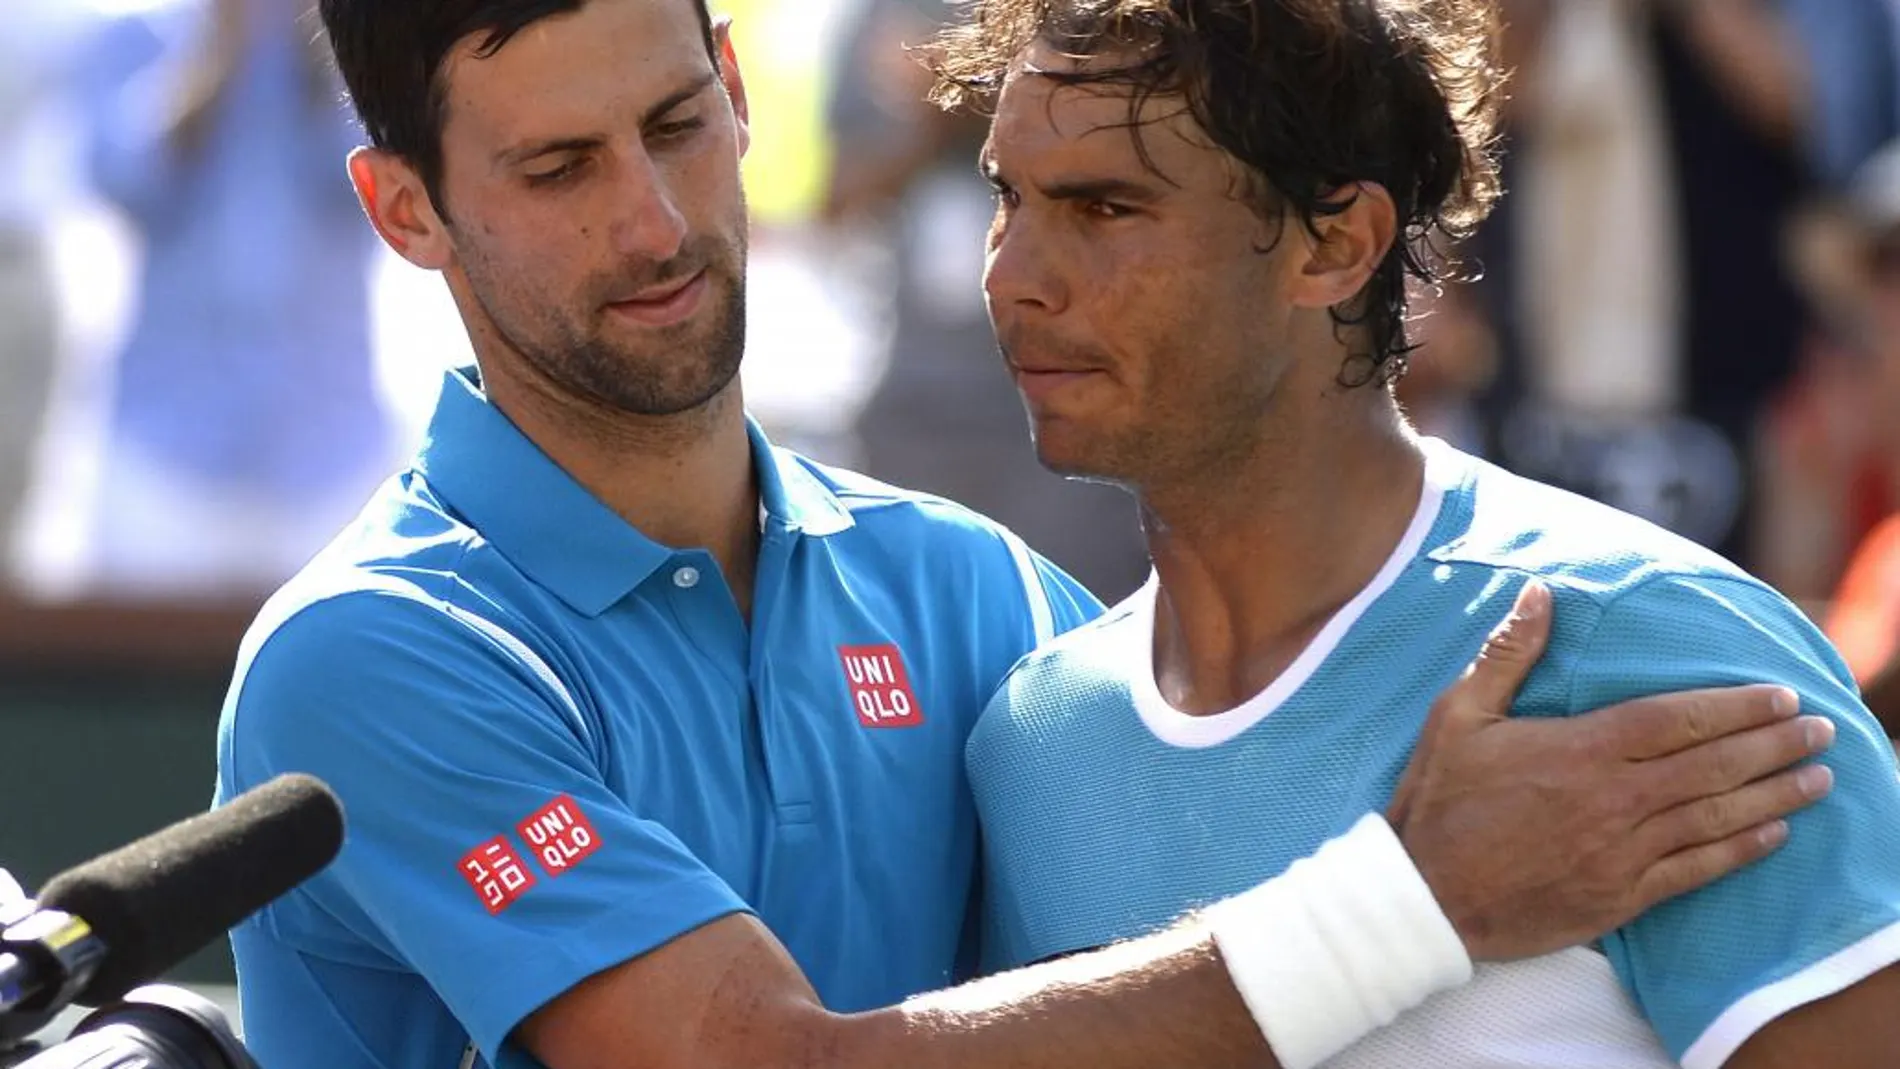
1338	945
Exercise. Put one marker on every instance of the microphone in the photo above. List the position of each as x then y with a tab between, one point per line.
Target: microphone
113	923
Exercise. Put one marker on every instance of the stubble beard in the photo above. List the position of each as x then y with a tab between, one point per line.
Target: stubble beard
678	371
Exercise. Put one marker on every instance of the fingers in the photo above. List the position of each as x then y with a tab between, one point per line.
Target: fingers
1687	870
1491	684
1664	724
1733	761
1713	819
1488	687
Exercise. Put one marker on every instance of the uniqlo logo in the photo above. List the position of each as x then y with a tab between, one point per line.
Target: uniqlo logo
880	688
496	873
560	835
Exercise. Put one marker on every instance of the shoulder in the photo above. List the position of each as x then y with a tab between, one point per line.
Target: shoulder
1638	610
928	542
894	511
1611	573
406	557
1493	518
1063	680
407	600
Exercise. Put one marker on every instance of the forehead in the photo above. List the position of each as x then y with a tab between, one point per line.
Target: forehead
1042	119
611	58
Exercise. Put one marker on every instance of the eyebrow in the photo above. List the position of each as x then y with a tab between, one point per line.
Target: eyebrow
519	154
1080	188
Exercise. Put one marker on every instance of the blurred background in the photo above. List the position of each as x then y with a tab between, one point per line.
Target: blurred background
1687	306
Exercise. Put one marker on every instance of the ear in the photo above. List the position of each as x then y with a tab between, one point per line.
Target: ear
734	83
393	197
1345	248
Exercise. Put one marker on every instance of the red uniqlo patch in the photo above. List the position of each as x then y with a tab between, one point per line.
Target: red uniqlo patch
880	688
496	873
559	835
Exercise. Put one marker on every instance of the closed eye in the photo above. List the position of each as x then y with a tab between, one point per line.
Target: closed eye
677	129
557	175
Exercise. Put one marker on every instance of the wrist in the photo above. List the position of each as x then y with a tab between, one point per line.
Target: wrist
1338	945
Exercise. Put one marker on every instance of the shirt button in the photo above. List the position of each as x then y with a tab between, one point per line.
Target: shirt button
686	578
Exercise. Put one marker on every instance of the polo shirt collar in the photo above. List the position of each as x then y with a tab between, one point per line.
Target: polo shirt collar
554	530
790	495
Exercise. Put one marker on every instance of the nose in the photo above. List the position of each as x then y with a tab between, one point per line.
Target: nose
1023	269
649	225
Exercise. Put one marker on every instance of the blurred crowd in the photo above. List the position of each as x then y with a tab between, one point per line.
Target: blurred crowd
1688	306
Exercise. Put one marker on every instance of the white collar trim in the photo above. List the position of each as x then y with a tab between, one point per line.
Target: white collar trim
1176	728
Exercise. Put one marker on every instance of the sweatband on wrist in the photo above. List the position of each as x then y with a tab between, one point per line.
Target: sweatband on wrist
1338	945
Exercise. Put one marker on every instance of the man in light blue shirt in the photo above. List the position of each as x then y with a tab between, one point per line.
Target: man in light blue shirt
1201	290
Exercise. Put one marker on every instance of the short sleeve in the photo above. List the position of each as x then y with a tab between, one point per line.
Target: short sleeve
483	851
1711	968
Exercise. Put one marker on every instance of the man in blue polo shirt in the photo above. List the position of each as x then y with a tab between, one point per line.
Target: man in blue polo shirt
615	803
540	709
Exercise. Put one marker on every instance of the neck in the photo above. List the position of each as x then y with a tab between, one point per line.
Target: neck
684	480
1253	558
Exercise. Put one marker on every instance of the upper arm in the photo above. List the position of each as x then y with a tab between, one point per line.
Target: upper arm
1855	1029
1712	968
445	742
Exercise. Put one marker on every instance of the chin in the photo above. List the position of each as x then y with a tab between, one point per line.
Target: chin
1071	455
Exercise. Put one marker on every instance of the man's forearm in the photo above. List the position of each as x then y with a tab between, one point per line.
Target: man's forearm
1164	1000
1338	945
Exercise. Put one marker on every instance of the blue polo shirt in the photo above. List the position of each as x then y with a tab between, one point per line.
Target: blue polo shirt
560	745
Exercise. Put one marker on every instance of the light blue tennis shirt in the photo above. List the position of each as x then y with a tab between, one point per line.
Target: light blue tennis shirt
560	744
1107	813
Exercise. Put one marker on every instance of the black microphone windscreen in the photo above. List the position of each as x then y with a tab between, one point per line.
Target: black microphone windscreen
159	899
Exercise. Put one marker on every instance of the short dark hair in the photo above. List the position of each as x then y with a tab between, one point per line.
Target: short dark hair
390	53
1310	96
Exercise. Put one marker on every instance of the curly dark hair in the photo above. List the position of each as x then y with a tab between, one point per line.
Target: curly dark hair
390	53
1310	96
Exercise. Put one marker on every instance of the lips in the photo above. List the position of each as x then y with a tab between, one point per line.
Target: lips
1041	385
663	305
1050	369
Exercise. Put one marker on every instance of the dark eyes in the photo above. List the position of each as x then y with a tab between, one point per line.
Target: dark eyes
1094	209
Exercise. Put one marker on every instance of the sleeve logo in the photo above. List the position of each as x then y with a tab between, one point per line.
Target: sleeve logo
880	687
560	835
496	873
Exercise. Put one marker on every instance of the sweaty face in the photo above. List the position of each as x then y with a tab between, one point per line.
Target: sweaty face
591	180
1135	309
